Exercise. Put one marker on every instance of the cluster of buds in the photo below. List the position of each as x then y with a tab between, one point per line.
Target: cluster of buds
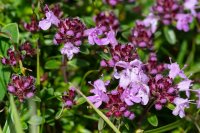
32	26
153	67
111	101
70	30
68	98
22	86
166	10
115	2
142	36
107	20
14	56
56	9
116	107
120	53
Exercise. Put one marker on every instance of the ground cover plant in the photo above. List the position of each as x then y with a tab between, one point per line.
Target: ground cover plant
84	66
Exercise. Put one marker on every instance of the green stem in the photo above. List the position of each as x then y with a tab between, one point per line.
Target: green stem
38	65
14	112
98	112
165	128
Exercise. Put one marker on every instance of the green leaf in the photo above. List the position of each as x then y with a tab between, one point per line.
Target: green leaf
170	106
153	120
36	99
105	56
165	128
52	64
182	52
76	63
100	124
13	31
170	35
80	101
36	120
16	118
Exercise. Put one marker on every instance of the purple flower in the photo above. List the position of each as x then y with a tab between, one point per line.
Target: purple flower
185	86
129	96
190	5
174	70
99	92
132	72
151	21
69	49
198	95
182	21
22	86
70	30
68	97
45	24
98	36
136	93
181	104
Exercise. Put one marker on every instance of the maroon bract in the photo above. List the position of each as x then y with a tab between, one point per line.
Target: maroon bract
120	53
12	58
116	106
142	36
153	67
28	49
162	90
68	98
108	20
167	10
32	26
70	30
22	86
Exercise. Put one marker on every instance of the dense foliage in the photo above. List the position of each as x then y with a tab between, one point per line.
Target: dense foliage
99	66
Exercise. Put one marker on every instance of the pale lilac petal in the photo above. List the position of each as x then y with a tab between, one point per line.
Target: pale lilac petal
44	24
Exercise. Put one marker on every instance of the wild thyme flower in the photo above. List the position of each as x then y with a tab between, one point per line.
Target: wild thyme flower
116	106
12	59
121	52
45	24
99	92
32	26
68	98
107	20
181	104
183	21
100	37
70	30
153	67
69	49
166	10
22	86
27	48
191	5
141	36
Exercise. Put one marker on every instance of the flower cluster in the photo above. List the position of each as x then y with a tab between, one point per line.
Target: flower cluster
22	86
32	26
14	56
106	20
70	31
68	98
120	53
115	2
168	11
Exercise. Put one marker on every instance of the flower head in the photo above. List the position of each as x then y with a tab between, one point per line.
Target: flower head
69	49
22	86
99	92
45	24
182	21
98	36
181	104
